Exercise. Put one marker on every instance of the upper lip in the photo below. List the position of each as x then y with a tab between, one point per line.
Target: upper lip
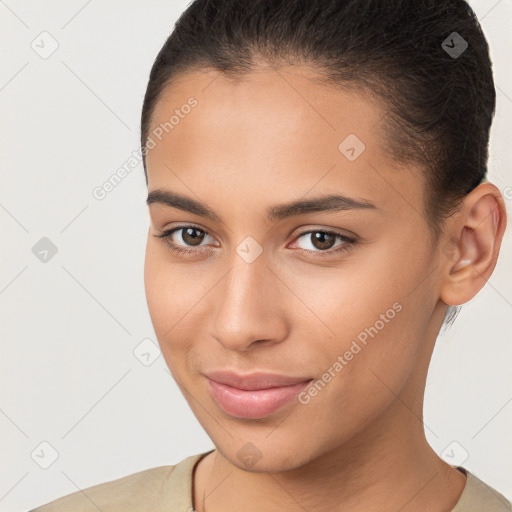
254	381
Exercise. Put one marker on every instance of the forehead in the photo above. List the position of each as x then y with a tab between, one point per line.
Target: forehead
279	100
269	131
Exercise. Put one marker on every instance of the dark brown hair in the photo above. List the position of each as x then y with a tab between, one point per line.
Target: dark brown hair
439	104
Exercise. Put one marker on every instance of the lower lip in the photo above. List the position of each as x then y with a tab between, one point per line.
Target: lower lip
253	404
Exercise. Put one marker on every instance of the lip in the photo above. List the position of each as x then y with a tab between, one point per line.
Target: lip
255	395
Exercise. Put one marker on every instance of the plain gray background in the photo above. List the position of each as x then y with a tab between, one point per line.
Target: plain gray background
70	325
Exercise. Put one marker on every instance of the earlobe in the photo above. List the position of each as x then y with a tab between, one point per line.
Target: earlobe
472	251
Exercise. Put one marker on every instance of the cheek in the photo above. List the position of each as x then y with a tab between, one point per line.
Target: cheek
170	294
159	290
364	366
378	316
371	336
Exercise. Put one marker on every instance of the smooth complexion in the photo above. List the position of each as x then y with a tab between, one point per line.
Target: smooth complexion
267	140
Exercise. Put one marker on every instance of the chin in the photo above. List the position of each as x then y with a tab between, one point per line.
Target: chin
265	456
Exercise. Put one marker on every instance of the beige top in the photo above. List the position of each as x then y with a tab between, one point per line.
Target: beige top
169	489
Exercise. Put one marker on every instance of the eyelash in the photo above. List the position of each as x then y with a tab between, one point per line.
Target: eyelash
348	242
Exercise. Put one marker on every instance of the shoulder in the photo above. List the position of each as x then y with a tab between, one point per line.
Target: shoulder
478	496
140	490
158	489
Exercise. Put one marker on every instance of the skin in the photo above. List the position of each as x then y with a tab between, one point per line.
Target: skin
271	138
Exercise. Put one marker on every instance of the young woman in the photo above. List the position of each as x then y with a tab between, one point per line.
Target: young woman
317	190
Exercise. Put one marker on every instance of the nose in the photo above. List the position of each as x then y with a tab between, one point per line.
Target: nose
251	306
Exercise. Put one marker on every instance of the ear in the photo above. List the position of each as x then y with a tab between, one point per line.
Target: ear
473	249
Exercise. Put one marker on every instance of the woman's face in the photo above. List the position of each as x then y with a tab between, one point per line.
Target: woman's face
261	291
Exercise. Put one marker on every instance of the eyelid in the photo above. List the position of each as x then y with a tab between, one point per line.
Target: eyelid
346	234
167	233
348	241
337	231
329	231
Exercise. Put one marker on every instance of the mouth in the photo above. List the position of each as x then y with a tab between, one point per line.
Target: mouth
253	396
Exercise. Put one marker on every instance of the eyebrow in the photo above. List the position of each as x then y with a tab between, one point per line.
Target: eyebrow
332	202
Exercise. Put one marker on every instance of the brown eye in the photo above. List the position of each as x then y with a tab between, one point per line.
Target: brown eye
322	240
192	236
